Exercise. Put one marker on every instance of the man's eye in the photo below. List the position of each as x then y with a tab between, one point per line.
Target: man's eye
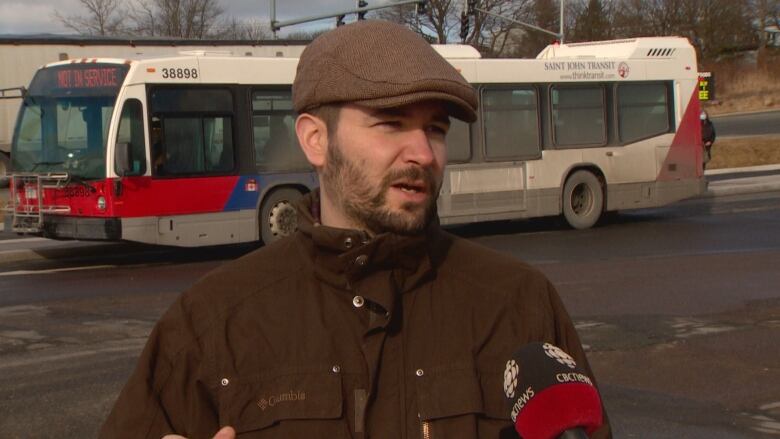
436	129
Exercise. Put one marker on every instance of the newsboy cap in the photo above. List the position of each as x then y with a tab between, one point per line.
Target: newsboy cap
378	64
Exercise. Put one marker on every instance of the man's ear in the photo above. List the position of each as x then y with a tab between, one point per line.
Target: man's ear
313	137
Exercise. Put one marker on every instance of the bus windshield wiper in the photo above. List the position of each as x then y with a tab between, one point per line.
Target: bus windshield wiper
80	180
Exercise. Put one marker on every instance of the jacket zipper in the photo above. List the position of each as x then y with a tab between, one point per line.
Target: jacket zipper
425	429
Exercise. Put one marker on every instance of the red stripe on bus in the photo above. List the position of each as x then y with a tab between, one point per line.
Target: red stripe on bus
685	153
144	196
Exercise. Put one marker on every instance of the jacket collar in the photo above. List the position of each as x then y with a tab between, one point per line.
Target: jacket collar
377	267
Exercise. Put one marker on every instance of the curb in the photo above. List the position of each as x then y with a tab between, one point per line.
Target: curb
740	113
747	169
713	190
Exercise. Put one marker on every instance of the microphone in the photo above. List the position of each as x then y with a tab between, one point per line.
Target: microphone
550	396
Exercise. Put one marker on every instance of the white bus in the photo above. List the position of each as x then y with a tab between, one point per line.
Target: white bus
200	149
582	129
22	55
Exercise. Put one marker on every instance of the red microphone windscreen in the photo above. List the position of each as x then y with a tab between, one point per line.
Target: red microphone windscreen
549	393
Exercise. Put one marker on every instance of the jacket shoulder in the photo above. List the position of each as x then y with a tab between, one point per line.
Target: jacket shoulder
483	265
218	292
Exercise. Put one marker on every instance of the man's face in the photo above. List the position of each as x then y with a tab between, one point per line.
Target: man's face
384	168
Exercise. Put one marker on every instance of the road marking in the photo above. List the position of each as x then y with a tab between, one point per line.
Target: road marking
135	346
55	270
13	241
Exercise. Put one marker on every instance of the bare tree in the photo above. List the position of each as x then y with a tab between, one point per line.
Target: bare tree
767	13
305	35
544	14
713	26
251	30
437	23
103	17
441	23
177	18
592	20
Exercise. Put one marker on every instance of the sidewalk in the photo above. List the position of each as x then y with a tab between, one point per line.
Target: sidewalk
721	182
742	180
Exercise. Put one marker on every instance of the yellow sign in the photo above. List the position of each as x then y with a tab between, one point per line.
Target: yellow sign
706	86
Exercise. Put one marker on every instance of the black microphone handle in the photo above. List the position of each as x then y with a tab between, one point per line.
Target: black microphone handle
573	433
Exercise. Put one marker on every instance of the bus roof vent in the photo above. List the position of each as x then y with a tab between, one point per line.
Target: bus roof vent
660	52
206	52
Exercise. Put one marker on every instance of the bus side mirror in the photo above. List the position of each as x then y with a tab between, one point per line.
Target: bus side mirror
123	159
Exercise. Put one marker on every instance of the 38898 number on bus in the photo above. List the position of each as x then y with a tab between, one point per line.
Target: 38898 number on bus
180	73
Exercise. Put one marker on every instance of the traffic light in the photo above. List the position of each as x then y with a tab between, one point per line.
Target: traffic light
362	14
464	26
340	20
422	7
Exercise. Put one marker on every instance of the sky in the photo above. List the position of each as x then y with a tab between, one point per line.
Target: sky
37	16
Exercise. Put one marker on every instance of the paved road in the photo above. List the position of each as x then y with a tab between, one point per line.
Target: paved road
679	309
748	124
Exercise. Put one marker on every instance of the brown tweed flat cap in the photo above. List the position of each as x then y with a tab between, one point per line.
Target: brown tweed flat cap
378	64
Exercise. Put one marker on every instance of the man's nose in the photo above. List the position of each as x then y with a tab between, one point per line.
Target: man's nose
417	148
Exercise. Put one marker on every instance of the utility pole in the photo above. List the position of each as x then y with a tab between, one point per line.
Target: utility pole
560	33
273	17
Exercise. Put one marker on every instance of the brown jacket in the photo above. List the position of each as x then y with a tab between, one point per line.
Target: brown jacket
329	334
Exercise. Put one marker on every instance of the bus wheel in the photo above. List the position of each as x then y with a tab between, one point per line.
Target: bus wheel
278	217
583	200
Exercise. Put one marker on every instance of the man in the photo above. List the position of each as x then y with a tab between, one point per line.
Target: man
370	320
707	136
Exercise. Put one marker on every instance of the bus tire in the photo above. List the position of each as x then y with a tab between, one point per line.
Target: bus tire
583	200
278	217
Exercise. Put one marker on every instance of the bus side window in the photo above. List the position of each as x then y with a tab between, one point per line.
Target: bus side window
511	123
183	144
273	127
458	142
218	144
196	135
578	115
643	111
131	131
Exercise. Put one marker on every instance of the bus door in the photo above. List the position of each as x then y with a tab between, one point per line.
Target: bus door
193	171
491	182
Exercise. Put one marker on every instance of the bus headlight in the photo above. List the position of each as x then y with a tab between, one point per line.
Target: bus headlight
101	203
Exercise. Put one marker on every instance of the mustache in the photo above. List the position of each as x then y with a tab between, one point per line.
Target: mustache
413	173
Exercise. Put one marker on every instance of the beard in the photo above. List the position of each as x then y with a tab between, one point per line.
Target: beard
365	204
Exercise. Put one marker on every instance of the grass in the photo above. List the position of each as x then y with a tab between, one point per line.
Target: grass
745	84
738	152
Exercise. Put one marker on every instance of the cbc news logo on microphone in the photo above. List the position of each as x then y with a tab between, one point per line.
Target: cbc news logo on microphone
559	355
510	378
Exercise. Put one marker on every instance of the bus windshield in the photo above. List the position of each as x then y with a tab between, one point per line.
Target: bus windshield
64	119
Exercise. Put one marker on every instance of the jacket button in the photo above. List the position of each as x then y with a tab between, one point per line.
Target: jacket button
419	372
336	368
348	243
358	301
225	381
361	260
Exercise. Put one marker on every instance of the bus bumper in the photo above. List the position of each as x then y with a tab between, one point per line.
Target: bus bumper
87	229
